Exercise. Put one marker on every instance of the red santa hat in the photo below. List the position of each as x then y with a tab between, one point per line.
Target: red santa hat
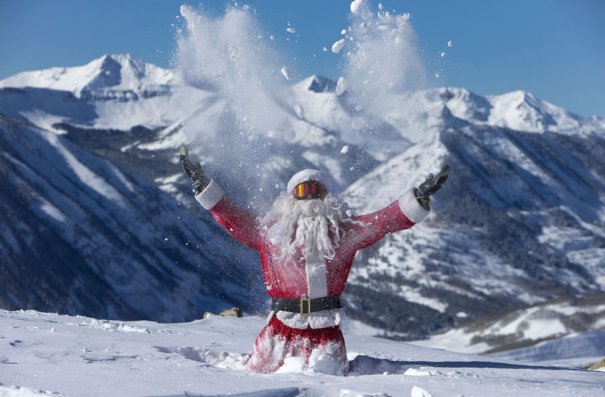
307	175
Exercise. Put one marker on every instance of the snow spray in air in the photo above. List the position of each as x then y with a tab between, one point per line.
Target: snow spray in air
230	57
381	56
244	129
381	66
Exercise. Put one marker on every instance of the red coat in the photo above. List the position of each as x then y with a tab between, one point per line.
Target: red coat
294	281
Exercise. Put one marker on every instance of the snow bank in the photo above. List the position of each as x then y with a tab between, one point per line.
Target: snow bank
75	356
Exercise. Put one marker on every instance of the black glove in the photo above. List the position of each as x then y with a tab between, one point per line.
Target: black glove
430	186
199	180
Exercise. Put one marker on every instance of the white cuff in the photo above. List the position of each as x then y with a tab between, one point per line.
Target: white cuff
411	208
210	196
316	320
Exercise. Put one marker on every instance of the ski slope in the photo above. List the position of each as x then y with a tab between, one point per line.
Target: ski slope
48	354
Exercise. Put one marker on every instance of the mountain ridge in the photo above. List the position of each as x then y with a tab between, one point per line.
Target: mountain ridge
519	222
118	71
518	110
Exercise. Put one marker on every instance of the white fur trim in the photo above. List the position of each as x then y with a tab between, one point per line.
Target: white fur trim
411	208
271	314
317	320
307	175
317	283
210	196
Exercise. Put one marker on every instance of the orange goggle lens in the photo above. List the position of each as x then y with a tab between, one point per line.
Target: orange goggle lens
309	190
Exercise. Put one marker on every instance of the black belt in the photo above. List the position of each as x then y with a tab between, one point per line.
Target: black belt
304	305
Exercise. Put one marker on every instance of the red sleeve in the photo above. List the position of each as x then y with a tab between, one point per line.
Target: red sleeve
399	215
370	228
238	222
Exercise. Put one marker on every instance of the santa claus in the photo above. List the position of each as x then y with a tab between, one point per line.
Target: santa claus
307	243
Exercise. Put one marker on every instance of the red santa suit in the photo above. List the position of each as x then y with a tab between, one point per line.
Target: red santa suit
314	338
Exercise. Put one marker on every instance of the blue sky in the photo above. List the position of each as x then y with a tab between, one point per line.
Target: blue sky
552	48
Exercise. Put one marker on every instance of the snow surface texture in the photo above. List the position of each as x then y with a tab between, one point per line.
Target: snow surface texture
47	354
526	185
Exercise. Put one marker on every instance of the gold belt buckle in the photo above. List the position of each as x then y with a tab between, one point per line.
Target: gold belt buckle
302	306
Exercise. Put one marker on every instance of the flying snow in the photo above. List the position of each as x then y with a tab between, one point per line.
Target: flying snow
300	112
383	59
338	45
225	55
358	123
230	58
341	86
244	77
286	73
355	5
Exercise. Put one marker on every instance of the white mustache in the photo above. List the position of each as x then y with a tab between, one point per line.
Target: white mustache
313	225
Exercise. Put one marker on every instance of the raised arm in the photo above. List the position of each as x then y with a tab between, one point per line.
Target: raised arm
238	222
399	215
411	208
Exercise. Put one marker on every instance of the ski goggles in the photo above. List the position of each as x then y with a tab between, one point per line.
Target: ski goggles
309	190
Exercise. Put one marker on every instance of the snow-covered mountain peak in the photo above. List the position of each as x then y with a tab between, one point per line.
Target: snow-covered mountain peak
108	72
464	104
518	110
521	110
520	96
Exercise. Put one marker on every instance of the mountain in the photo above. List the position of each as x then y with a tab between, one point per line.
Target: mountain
105	74
112	92
80	236
517	110
519	223
563	328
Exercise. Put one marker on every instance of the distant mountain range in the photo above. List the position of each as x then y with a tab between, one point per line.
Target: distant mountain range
98	220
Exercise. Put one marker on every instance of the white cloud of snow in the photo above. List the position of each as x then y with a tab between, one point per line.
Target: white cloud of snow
228	56
383	60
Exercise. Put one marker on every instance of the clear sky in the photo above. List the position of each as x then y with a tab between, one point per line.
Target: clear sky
552	48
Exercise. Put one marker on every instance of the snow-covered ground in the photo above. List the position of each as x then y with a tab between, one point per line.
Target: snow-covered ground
48	354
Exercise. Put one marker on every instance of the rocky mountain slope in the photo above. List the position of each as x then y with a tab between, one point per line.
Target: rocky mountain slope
521	220
81	236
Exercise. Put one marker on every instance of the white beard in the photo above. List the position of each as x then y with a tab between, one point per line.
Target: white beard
312	225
